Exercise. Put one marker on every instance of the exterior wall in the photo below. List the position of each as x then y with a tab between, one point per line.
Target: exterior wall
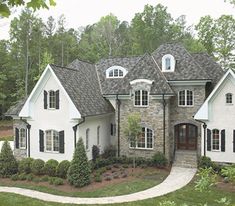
185	114
151	117
222	116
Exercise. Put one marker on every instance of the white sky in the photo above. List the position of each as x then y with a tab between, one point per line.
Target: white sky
83	12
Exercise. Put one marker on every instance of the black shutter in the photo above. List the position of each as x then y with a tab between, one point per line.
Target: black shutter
61	141
45	99
233	140
17	138
41	141
111	129
208	140
223	140
57	99
26	137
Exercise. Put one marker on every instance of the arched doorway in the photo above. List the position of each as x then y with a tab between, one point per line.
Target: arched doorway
186	136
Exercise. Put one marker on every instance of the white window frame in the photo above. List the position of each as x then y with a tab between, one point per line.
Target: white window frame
185	98
172	61
22	138
215	150
145	134
112	69
141	98
49	100
52	141
230	96
87	139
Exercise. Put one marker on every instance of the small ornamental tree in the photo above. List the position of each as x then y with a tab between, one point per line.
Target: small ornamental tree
133	131
8	163
79	173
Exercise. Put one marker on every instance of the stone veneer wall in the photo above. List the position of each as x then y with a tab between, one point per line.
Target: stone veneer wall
19	153
151	117
185	114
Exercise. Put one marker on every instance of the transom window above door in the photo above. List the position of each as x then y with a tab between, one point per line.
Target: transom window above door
185	98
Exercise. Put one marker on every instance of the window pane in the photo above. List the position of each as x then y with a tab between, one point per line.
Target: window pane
182	98
215	139
189	97
120	73
55	141
137	97
51	99
144	98
116	72
22	139
168	63
141	140
111	73
149	138
229	98
48	140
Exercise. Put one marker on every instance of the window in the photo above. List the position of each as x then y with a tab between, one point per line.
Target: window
185	98
87	138
22	138
52	141
229	98
145	140
98	135
168	63
215	139
52	100
116	72
113	129
141	98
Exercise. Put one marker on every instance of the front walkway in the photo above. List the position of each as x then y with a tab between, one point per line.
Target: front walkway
178	178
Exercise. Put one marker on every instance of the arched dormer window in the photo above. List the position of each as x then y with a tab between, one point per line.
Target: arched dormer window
116	72
168	63
229	98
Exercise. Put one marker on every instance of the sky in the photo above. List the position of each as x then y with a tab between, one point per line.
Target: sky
83	12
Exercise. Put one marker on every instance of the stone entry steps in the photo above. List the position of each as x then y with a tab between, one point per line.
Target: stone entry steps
185	158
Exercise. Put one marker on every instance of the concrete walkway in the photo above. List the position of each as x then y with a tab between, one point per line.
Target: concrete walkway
178	178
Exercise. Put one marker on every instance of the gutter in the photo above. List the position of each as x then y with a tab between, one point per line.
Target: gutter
118	121
75	130
28	136
164	123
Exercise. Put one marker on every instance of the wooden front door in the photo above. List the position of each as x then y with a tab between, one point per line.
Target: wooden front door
186	136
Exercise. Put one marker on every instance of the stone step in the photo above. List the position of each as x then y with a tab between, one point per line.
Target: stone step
185	158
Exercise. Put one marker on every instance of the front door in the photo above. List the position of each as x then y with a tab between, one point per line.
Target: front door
186	136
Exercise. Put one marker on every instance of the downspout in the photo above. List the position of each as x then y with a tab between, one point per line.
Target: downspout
164	123
118	121
75	130
204	129
28	128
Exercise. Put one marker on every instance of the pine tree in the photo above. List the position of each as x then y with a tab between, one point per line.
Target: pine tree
79	173
8	163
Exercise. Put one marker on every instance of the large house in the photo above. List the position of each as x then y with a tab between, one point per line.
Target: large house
93	101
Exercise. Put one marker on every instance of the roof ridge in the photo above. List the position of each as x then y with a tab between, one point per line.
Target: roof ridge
63	67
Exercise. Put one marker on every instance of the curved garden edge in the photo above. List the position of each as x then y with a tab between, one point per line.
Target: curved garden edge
178	178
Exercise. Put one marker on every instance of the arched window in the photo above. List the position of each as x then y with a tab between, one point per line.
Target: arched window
52	141
229	98
215	139
22	138
98	135
145	140
141	98
185	98
52	99
116	72
87	138
168	63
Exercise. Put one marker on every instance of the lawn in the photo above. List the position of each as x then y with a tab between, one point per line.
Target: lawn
187	195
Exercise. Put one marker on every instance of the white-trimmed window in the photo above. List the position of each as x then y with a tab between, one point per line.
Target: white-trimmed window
52	99
145	141
87	138
141	98
168	63
229	98
52	141
185	98
116	72
98	135
22	138
215	140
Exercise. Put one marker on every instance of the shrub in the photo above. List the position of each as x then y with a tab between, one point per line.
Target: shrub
50	167
29	177
62	169
44	178
14	177
8	163
159	160
109	152
22	176
25	165
79	173
98	178
95	152
37	167
229	172
56	181
205	162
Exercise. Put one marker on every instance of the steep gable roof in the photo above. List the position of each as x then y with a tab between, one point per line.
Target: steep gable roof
15	109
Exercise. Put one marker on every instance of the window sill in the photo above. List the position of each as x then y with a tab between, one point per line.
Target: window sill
22	148
186	106
138	148
52	152
140	106
229	104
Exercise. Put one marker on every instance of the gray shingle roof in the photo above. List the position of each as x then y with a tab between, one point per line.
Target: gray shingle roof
186	67
81	83
15	109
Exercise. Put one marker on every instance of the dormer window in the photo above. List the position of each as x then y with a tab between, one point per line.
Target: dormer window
168	63
116	72
229	98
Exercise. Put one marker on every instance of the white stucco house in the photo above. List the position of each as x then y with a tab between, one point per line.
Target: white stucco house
218	115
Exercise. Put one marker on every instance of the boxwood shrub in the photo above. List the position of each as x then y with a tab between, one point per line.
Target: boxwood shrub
50	167
37	167
25	165
62	168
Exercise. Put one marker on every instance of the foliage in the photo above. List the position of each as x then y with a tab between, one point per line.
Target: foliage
8	163
62	168
56	181
50	167
95	152
79	173
37	167
229	172
205	162
167	203
207	178
25	165
224	201
109	152
159	159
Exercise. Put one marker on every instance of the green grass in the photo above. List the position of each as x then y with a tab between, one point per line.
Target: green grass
187	195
